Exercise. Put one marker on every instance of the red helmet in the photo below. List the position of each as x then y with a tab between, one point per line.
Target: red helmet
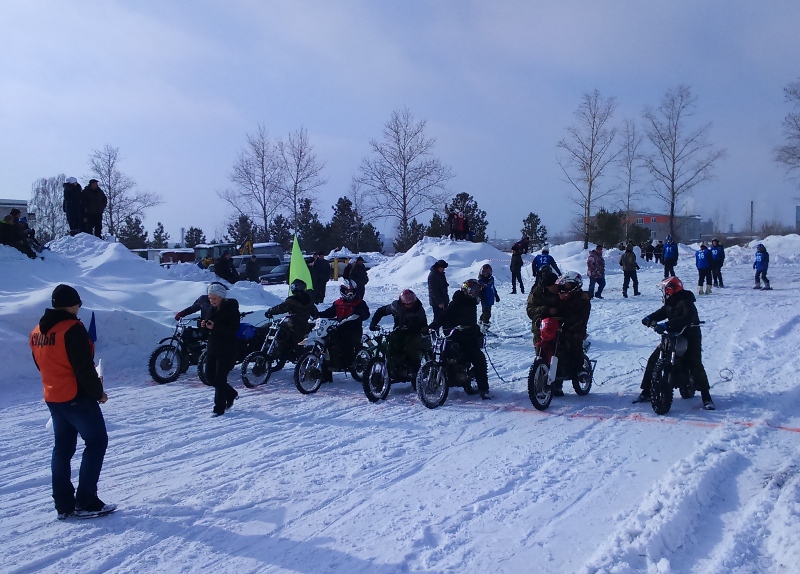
670	286
408	297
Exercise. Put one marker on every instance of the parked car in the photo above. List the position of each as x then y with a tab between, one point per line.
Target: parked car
278	275
266	263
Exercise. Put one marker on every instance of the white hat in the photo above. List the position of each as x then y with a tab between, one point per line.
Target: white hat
217	289
71	180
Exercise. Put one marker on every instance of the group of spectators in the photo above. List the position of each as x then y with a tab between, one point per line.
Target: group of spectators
15	232
84	207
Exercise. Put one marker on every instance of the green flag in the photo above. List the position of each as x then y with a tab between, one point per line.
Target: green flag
298	268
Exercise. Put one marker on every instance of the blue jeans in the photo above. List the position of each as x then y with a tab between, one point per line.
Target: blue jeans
79	416
601	284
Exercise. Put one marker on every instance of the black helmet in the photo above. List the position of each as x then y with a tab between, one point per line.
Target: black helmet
472	288
297	285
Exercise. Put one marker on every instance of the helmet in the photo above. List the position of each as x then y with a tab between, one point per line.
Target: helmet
760	247
297	285
570	278
486	270
408	297
472	288
348	290
545	250
668	239
670	286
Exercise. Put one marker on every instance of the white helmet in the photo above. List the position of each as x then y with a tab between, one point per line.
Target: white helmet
571	277
348	289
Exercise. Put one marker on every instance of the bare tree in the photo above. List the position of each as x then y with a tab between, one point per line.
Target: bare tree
301	170
789	153
123	199
683	158
587	152
47	201
630	162
402	177
258	179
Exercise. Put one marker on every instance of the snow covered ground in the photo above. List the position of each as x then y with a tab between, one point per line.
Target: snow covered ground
331	483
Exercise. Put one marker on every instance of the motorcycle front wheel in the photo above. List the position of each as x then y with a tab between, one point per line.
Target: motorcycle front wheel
165	364
539	390
360	364
308	373
432	384
661	388
376	381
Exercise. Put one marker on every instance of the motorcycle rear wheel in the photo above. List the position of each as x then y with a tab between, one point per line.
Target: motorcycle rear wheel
360	364
583	384
539	390
687	388
201	369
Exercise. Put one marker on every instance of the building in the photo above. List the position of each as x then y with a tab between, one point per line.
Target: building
688	228
6	205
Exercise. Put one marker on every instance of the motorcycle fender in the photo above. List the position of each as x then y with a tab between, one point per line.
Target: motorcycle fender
551	374
167	339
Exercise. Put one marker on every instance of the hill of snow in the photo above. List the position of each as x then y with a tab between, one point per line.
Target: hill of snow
331	483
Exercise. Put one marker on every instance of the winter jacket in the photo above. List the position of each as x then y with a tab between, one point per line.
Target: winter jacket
628	260
301	309
64	355
413	319
658	249
702	258
462	311
717	255
540	302
542	260
223	267
201	304
94	200
222	340
342	309
437	288
72	204
356	272
648	248
489	294
679	311
595	265
574	312
762	261
516	260
670	253
320	271
251	270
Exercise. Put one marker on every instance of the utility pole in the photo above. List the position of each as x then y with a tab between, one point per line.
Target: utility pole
751	220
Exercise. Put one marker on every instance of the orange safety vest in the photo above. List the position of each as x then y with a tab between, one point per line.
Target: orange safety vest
50	353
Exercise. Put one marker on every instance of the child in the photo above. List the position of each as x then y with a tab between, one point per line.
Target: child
489	296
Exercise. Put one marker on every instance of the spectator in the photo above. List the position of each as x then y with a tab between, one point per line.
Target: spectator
761	265
629	267
438	295
320	274
488	298
73	206
252	269
702	259
649	251
222	321
717	260
94	202
357	273
658	251
596	270
224	268
516	269
670	257
544	264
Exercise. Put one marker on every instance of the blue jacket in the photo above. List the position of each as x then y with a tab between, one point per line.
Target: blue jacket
489	295
762	261
717	254
670	253
702	258
542	260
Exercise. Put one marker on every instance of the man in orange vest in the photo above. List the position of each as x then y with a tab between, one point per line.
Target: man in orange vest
73	391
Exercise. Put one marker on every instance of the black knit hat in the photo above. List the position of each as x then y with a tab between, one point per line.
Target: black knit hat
65	296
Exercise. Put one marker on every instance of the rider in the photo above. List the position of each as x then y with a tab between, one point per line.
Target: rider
542	262
680	312
201	304
345	344
543	302
463	312
410	322
573	309
300	309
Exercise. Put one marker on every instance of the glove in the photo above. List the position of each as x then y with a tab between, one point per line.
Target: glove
374	328
268	315
178	316
638	268
660	328
496	298
647	321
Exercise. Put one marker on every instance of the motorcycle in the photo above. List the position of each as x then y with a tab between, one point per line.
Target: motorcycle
174	355
544	370
308	370
276	350
670	371
250	338
388	366
446	368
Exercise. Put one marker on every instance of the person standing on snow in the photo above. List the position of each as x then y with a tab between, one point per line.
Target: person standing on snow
669	257
73	206
702	259
222	323
717	260
629	267
224	268
489	296
658	251
357	273
680	312
438	296
516	269
320	273
544	263
761	264
94	202
596	271
73	391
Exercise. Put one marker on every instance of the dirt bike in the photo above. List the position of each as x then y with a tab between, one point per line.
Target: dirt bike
276	350
388	367
544	371
447	368
249	338
174	355
310	367
670	371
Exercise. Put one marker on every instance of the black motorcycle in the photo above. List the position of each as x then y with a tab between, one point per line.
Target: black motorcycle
670	371
389	366
277	349
249	337
447	367
177	353
309	369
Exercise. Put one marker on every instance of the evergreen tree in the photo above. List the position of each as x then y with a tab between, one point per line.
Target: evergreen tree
132	234
438	227
344	226
536	232
370	239
281	231
310	231
240	229
607	227
405	240
194	236
160	237
475	217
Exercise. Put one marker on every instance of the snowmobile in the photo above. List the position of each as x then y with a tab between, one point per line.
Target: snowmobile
545	368
177	353
250	338
670	371
276	350
388	366
311	365
447	367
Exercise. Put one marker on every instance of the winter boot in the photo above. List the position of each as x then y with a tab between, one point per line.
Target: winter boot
625	294
558	390
766	286
514	292
484	327
757	285
708	289
699	289
522	289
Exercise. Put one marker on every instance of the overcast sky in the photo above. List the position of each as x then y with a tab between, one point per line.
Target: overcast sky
176	86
